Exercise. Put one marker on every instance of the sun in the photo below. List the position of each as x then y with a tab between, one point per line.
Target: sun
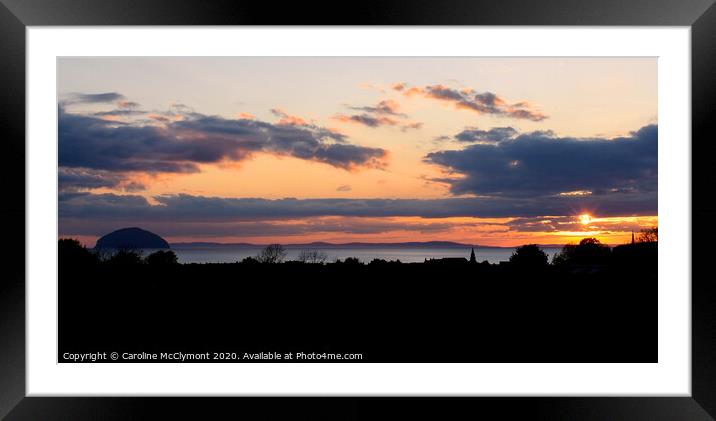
585	219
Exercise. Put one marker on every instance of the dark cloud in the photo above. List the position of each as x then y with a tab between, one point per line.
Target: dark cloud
571	223
79	179
539	164
165	117
469	99
496	134
127	104
286	119
388	107
179	146
382	114
72	179
344	187
367	120
97	144
106	97
260	228
443	93
347	156
134	186
188	208
119	113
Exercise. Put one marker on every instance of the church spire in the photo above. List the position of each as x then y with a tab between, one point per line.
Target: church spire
472	256
632	237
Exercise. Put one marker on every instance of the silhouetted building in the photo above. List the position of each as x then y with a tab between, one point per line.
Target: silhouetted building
472	256
632	237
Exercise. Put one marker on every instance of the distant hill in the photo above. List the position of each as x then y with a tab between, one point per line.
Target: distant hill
324	245
132	238
321	244
199	244
417	244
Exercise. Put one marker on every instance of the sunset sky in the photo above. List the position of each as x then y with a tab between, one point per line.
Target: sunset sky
491	151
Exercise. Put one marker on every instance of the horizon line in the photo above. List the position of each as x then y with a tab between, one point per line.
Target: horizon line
376	243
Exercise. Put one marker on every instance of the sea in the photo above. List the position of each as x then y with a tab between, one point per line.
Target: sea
231	254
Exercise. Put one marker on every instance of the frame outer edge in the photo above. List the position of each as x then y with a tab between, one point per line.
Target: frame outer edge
318	408
369	12
12	211
703	71
12	130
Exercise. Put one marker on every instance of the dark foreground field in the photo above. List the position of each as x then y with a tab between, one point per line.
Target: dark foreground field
386	312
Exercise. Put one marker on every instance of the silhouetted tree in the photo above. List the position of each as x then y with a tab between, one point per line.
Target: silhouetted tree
529	255
589	251
563	257
649	235
71	252
125	257
249	261
273	253
162	257
312	256
350	261
103	254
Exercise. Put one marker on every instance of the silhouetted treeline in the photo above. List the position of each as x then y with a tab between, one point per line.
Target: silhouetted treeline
72	253
592	305
588	252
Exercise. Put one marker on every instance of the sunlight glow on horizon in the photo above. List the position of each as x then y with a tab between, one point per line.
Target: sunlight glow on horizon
357	128
483	231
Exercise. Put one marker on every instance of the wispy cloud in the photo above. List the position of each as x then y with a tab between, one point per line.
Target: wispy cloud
286	119
496	134
387	106
411	126
366	120
469	99
99	98
385	113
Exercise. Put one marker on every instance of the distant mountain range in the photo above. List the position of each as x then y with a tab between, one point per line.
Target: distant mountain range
141	239
321	244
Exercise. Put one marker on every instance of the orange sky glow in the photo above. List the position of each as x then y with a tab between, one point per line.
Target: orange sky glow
541	150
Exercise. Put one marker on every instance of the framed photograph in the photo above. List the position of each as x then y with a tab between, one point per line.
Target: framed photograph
452	200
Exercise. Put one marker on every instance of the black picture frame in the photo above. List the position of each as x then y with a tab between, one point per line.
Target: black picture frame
16	15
